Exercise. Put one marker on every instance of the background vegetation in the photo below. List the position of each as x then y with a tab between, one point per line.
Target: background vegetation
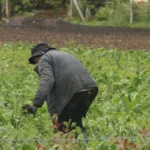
102	12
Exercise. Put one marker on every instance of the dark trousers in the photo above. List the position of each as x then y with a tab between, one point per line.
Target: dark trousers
78	106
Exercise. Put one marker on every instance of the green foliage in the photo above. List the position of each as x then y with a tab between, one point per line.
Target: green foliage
121	108
117	13
94	5
141	12
121	15
2	1
103	14
20	6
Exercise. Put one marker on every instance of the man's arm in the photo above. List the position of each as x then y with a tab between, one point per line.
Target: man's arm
46	82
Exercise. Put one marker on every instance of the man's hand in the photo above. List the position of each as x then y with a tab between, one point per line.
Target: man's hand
29	109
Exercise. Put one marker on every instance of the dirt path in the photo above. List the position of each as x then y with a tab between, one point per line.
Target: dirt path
60	34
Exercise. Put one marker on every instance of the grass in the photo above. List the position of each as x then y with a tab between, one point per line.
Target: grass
136	24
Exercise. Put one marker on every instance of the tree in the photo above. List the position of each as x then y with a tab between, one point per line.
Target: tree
131	11
0	11
1	7
8	8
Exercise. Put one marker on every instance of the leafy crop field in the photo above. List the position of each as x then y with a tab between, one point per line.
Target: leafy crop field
118	119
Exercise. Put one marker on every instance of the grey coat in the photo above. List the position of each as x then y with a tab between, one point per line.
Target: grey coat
61	76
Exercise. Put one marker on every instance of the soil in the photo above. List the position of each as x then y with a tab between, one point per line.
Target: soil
62	34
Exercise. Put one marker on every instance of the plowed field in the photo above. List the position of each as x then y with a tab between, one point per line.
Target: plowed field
62	34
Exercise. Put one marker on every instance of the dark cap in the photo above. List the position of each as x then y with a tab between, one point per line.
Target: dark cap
38	50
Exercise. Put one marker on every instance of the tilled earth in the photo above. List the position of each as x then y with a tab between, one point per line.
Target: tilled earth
62	34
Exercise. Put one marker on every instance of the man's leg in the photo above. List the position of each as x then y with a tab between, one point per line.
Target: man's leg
85	99
77	107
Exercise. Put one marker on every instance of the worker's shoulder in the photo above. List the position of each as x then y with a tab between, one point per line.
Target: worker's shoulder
56	53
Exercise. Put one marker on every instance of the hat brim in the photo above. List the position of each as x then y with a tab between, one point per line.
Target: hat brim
31	59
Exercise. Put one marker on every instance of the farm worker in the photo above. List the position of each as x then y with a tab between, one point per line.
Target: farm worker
65	85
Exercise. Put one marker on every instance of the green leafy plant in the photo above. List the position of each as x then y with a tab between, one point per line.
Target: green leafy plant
119	112
103	14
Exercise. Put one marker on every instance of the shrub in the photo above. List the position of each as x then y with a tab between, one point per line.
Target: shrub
141	12
102	14
121	14
20	6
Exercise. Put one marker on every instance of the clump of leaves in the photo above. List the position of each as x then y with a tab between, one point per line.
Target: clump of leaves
63	141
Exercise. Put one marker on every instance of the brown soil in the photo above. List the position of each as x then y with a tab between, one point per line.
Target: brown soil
62	34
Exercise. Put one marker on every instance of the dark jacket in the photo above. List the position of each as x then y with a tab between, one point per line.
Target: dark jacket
61	76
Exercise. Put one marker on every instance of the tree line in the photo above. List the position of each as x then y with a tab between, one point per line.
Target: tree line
11	7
